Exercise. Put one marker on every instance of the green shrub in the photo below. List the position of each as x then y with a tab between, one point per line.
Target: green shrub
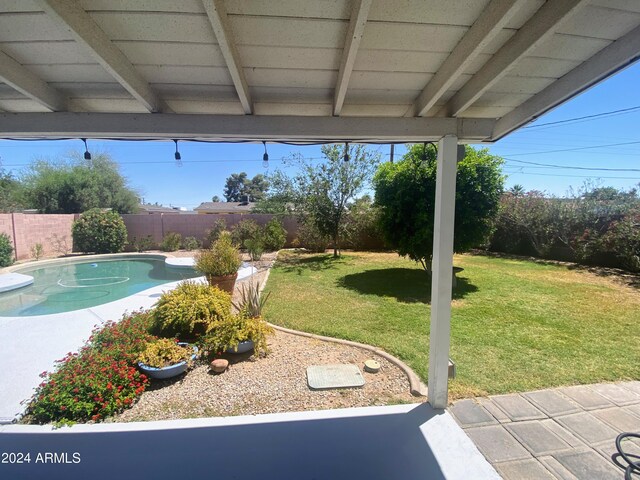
98	381
244	230
191	243
234	329
99	232
171	242
223	258
143	244
163	353
6	250
37	251
190	310
274	236
311	239
255	248
218	227
623	238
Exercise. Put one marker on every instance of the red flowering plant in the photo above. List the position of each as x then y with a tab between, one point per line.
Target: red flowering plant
98	381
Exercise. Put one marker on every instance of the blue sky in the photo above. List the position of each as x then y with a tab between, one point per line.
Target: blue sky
152	170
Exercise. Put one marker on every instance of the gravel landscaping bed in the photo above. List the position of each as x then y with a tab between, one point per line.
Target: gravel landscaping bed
276	383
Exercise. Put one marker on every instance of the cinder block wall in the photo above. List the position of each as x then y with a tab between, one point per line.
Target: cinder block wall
27	230
158	225
53	231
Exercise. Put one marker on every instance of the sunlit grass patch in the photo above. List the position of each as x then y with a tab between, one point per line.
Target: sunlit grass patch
516	324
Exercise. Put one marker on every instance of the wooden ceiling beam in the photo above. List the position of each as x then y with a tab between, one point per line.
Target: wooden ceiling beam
219	20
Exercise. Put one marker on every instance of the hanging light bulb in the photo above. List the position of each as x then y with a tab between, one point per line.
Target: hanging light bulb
346	152
265	157
177	155
87	155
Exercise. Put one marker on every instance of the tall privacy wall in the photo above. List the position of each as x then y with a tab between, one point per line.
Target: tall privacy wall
158	225
53	232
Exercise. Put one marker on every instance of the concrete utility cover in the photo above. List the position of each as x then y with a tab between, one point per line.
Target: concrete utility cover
334	376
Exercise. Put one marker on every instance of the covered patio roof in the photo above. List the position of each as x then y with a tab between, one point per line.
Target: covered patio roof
300	70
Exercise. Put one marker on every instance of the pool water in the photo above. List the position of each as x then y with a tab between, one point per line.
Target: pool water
74	286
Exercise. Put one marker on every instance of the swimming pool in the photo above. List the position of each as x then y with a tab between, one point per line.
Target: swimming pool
74	285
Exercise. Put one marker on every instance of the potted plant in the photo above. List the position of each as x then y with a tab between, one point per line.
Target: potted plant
166	358
245	330
220	263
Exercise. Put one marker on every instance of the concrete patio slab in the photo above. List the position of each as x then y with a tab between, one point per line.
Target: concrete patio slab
529	469
608	449
469	413
588	428
551	402
563	433
588	465
537	438
587	398
616	394
556	468
632	386
493	409
618	419
517	407
635	409
496	444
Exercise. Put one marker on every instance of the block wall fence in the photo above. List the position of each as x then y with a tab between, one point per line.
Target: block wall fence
53	232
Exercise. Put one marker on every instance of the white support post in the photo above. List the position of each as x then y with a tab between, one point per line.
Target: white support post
442	271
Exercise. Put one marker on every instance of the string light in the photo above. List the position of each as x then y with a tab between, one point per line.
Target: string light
177	155
87	155
265	157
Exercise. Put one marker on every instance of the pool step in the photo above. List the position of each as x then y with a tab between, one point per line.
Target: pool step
13	281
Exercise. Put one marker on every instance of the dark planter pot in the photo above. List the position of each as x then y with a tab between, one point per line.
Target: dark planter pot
171	370
226	282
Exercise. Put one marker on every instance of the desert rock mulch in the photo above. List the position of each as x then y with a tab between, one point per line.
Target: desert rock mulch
272	384
276	383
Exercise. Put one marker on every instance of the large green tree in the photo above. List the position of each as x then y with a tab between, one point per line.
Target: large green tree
11	192
321	193
405	194
238	185
75	185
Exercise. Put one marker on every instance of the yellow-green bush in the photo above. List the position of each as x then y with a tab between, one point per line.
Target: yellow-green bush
233	329
190	310
163	353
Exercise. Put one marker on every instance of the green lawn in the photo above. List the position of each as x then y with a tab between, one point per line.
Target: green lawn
516	325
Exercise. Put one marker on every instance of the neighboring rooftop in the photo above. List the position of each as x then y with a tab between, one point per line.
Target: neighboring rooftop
146	208
225	207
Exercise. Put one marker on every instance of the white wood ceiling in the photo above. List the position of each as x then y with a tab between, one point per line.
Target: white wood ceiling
285	57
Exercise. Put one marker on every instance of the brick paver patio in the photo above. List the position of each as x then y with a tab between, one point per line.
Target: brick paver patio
567	433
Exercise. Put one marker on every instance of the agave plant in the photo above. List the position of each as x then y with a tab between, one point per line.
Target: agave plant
251	302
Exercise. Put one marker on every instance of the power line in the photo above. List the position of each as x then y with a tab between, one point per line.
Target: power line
576	149
611	113
573	176
549	165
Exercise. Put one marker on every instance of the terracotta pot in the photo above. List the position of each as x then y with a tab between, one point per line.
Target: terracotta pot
225	282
